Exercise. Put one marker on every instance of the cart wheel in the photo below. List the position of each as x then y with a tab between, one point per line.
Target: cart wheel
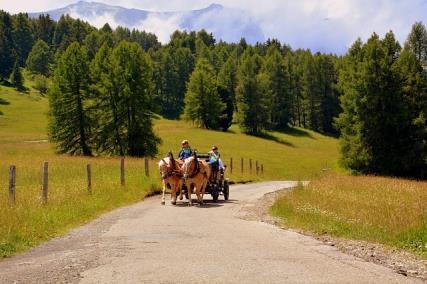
226	190
215	193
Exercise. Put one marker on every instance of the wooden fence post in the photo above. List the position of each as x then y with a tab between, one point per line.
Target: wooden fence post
250	166
241	165
12	181
257	167
45	181
147	172
231	165
89	178
122	171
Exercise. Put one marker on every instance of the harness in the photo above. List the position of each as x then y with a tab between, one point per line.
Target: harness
196	170
173	172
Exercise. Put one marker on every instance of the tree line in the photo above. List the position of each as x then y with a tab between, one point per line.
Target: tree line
107	84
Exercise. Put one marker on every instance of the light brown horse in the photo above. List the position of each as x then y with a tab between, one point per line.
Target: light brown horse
171	177
195	177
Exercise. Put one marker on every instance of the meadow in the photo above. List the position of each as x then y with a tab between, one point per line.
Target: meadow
389	211
296	154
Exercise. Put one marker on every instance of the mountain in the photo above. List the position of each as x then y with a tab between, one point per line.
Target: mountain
225	23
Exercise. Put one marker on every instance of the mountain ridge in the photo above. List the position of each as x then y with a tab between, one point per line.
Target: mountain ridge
225	23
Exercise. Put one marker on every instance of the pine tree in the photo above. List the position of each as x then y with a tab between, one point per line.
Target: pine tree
91	43
44	28
328	95
109	128
171	101
22	37
16	78
69	120
414	92
123	99
279	87
227	82
7	53
250	94
373	119
62	36
202	102
417	42
39	59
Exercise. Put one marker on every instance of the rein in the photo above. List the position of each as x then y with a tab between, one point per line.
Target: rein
196	170
171	169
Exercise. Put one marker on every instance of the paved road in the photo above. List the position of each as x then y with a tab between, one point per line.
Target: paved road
150	243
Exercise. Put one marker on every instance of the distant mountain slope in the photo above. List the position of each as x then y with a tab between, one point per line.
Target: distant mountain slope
225	23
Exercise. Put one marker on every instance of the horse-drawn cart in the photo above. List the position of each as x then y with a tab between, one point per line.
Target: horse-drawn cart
198	175
217	183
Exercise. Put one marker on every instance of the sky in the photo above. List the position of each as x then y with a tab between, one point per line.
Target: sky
321	25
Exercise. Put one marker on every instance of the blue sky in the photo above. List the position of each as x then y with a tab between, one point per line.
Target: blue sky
321	25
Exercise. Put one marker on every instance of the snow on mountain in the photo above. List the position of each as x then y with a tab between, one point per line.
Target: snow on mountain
225	23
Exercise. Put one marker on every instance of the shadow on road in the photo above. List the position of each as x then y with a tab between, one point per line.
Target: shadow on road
206	204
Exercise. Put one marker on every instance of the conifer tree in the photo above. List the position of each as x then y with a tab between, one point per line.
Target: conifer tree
373	119
16	78
417	42
69	120
39	59
123	99
44	28
7	53
227	82
250	94
414	98
278	85
22	37
202	102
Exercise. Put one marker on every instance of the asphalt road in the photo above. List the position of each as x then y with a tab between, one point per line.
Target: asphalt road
150	243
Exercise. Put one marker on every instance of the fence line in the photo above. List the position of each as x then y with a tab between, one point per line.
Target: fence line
89	175
122	171
89	178
45	184
12	182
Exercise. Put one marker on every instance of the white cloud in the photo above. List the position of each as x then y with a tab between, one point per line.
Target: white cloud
162	27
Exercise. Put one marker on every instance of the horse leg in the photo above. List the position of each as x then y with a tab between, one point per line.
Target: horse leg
188	185
173	193
199	196
204	185
164	190
181	195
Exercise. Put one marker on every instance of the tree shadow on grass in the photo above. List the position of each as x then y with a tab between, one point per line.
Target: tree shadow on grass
4	102
275	139
296	132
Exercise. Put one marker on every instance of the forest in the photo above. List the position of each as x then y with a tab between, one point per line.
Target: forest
106	85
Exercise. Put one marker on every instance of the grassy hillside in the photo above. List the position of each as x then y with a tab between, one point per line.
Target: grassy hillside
298	154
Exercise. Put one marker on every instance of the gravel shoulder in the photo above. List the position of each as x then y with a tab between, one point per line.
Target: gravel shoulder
402	262
221	242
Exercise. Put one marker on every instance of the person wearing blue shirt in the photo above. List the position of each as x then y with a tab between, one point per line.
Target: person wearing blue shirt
186	151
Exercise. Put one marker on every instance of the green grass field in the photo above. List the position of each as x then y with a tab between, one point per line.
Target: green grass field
382	210
298	154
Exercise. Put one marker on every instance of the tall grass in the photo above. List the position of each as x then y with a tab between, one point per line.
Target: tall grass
390	211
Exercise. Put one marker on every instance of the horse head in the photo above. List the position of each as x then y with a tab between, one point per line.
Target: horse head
164	167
